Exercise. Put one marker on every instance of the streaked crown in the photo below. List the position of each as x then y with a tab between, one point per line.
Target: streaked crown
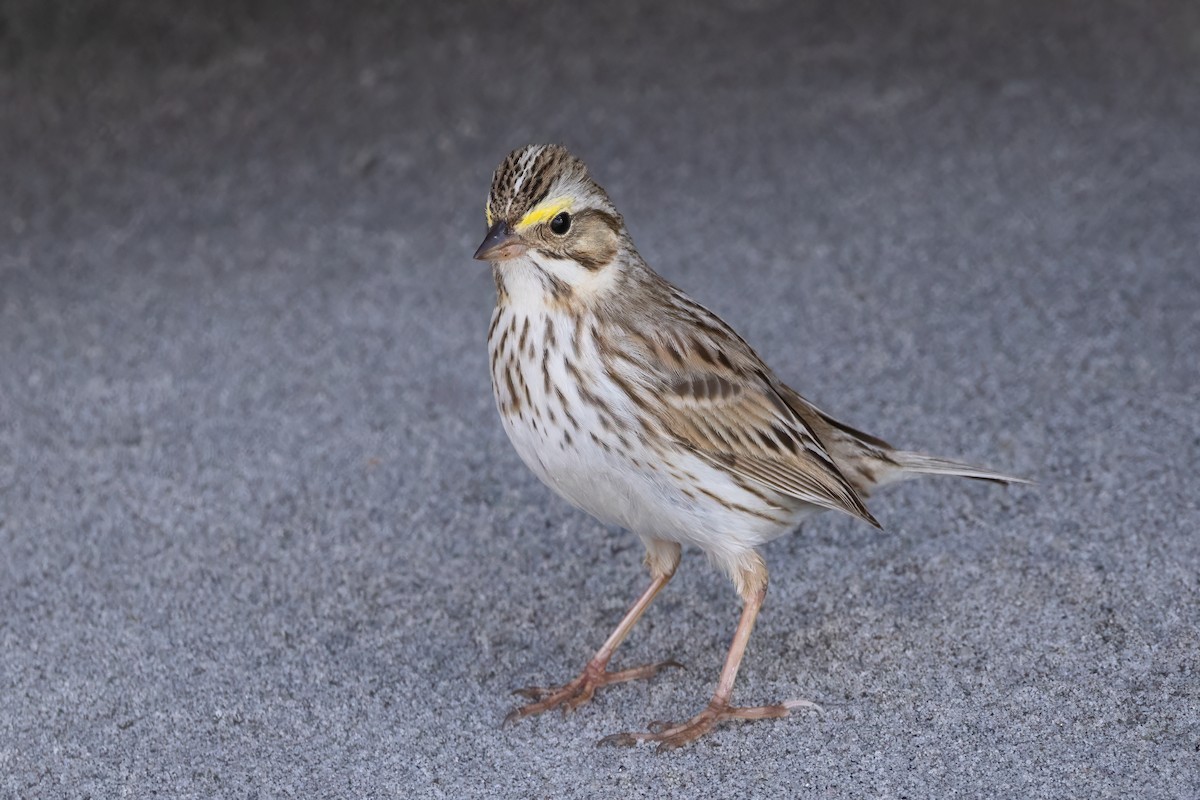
535	182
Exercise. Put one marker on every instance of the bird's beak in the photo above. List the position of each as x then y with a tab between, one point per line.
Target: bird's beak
500	244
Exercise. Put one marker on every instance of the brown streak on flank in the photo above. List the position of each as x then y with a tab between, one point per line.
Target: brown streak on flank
749	488
549	334
503	339
524	335
571	368
492	327
512	390
755	513
567	408
585	393
625	387
528	395
546	371
567	438
524	386
740	508
601	443
642	342
629	356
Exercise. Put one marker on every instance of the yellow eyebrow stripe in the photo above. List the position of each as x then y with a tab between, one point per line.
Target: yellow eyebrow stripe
543	212
487	212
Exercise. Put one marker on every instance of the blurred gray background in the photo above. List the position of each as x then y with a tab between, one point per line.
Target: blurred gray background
262	534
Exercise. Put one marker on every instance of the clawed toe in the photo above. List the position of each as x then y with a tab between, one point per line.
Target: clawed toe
572	695
670	736
625	739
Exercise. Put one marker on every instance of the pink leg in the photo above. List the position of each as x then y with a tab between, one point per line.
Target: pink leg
574	694
718	710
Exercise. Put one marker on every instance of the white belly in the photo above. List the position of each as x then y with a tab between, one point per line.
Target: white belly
581	443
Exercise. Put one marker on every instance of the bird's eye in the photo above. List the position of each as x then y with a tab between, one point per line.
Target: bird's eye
561	223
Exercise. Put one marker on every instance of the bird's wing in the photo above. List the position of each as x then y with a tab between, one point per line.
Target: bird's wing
714	396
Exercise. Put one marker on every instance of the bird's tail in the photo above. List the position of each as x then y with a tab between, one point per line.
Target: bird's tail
920	464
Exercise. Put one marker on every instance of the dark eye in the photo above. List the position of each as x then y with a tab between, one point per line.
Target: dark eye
561	223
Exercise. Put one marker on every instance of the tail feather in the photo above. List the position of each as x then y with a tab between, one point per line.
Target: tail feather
921	464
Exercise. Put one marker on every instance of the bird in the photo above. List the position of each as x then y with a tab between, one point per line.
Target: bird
641	407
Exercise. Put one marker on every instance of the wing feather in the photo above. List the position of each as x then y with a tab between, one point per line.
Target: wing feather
715	397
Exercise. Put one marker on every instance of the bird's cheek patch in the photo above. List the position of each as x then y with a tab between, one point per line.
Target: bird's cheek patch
593	251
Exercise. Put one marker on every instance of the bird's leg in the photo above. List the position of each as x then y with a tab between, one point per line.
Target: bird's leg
662	559
752	585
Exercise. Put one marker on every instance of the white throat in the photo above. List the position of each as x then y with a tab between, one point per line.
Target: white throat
531	279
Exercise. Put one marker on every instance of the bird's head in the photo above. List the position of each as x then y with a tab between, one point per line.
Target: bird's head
549	221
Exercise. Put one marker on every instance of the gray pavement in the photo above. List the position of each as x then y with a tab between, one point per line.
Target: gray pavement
263	535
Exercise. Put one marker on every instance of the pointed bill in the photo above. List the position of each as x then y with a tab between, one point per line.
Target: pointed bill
500	244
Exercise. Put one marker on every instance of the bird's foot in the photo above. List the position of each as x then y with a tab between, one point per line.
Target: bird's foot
671	735
572	695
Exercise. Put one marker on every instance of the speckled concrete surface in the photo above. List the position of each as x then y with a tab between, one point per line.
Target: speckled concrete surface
263	535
